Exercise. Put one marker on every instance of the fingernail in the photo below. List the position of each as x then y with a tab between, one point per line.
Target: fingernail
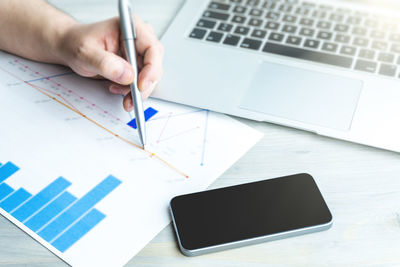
115	90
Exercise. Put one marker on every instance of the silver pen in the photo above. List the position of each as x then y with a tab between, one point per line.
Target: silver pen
128	30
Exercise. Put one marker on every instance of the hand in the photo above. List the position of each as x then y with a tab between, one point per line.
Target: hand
94	50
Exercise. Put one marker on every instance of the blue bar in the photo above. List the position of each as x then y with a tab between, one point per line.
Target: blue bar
7	170
78	230
14	200
5	190
41	199
79	208
148	114
50	211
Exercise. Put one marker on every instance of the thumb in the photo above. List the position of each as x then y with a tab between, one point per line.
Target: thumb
110	66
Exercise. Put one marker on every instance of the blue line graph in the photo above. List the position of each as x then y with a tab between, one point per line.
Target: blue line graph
49	77
54	214
148	114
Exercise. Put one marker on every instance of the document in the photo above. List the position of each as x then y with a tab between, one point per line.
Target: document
72	175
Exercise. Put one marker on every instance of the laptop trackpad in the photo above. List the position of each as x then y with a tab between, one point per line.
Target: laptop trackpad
302	95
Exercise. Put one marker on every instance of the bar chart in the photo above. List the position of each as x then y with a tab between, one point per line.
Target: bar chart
54	214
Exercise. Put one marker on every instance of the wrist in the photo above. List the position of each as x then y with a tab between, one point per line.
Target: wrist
56	37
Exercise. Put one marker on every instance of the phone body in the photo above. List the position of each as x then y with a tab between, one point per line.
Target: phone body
251	213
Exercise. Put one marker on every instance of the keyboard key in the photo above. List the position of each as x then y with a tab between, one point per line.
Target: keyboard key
239	19
277	37
214	37
253	2
379	45
388	70
371	23
341	28
286	8
220	6
398	60
272	25
256	12
289	28
320	14
315	56
216	15
361	41
198	33
366	53
330	47
311	44
348	50
324	35
368	66
307	32
294	40
324	25
231	40
386	57
251	44
225	27
378	34
302	11
359	31
336	17
341	38
259	34
395	48
255	22
354	20
395	37
242	30
273	15
306	22
289	18
206	24
239	9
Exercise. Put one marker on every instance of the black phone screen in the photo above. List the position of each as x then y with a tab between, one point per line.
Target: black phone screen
246	211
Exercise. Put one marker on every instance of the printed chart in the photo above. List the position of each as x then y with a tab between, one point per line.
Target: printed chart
73	176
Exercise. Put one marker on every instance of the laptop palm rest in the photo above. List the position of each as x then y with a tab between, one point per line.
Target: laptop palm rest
304	96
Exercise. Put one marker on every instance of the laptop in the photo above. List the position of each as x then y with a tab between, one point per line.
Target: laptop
330	67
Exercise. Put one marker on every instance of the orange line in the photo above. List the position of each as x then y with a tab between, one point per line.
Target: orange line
109	131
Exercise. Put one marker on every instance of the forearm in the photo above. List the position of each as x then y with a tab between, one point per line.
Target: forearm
32	29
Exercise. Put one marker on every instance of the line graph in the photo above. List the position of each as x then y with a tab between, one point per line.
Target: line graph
151	154
54	87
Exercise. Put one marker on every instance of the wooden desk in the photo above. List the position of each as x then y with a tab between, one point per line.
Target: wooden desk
360	184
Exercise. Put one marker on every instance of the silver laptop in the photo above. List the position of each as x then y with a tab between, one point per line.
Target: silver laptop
330	67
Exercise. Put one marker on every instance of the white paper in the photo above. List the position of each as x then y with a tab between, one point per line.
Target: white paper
66	126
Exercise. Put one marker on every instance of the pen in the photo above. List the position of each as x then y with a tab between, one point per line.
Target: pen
128	30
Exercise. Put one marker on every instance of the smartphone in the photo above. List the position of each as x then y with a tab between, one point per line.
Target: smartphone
249	213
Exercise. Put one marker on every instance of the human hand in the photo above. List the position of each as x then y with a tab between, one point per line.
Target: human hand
95	50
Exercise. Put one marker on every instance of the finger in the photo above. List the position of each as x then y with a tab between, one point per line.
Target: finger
108	65
145	36
152	71
119	89
128	103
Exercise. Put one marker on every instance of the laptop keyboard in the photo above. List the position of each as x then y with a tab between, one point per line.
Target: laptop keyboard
305	30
